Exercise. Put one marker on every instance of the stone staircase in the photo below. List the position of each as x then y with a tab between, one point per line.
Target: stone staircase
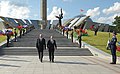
29	40
26	45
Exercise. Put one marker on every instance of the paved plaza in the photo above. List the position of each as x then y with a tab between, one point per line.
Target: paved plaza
62	65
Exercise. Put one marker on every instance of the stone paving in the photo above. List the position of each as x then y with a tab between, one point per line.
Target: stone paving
62	65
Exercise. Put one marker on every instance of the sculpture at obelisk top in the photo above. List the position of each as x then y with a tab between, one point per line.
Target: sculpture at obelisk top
60	18
44	13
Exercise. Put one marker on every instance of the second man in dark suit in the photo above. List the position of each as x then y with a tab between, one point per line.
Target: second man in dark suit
51	45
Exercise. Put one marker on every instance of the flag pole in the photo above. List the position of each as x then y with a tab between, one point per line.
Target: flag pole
108	39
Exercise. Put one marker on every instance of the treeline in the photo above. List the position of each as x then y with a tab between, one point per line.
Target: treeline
116	24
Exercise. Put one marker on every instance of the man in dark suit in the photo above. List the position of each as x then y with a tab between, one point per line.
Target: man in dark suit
51	45
40	45
113	48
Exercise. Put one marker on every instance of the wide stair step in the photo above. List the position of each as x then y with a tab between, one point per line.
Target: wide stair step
61	51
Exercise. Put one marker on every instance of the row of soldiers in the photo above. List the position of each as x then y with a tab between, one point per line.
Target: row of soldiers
21	32
112	43
79	38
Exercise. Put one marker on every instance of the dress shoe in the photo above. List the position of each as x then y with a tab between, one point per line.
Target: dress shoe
112	63
52	61
41	61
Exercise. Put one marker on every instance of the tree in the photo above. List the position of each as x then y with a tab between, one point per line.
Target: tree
117	23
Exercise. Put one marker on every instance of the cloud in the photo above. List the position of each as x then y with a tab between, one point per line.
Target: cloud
93	12
55	12
104	20
35	15
107	20
109	14
47	9
100	15
113	9
13	10
67	0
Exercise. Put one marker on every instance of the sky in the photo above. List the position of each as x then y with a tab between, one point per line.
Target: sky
102	11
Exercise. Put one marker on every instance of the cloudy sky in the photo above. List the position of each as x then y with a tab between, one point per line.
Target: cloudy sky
102	11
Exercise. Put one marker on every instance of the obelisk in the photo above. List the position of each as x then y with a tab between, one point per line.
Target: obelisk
44	13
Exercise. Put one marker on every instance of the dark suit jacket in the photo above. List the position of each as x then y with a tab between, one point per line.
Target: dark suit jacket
51	45
113	43
40	44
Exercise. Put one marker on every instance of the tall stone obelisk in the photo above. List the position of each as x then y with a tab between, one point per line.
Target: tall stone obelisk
44	13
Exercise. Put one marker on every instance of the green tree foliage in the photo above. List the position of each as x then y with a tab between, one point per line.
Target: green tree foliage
117	23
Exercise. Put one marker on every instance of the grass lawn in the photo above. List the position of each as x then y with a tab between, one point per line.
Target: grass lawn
2	38
99	41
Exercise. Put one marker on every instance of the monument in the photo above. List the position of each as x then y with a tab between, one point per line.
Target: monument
59	18
44	13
